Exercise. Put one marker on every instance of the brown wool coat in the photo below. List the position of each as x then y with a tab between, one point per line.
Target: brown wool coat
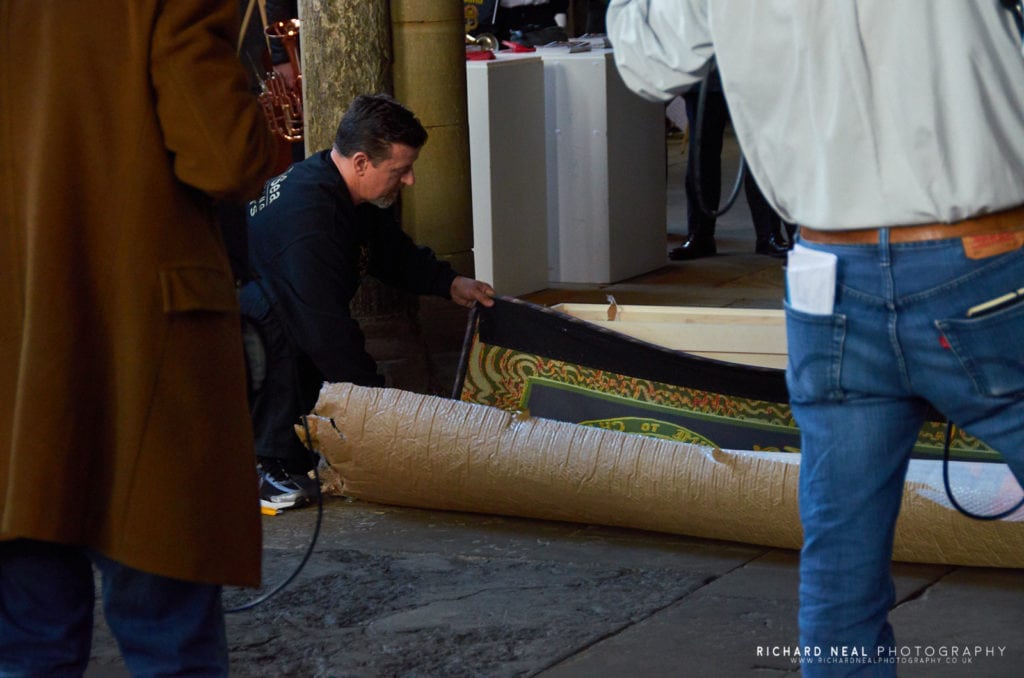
123	421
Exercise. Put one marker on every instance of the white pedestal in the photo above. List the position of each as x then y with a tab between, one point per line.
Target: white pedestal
606	172
509	180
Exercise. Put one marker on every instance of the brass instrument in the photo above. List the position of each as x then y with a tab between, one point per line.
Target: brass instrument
282	103
485	41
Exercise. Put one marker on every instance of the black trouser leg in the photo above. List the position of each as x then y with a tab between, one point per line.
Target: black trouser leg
289	389
766	221
710	138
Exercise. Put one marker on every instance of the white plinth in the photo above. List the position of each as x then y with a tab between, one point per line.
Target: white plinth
606	172
509	178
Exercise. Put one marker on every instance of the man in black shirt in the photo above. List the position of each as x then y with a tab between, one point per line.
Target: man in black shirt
308	234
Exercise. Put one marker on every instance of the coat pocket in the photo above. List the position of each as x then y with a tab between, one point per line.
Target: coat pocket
188	288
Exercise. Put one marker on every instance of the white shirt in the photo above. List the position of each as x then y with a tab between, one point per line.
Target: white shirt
851	113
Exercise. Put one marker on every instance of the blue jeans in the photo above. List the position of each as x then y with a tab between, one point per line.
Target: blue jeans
162	626
859	383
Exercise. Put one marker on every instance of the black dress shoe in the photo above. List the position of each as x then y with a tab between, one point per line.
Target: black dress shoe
693	247
772	246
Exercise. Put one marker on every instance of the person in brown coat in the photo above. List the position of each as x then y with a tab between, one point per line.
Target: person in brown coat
125	441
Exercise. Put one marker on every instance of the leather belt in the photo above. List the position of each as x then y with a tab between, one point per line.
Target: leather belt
1006	221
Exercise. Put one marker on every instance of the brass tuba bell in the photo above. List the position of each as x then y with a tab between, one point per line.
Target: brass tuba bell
484	41
281	101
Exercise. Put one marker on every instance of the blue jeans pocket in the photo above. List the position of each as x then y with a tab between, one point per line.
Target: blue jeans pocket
815	356
990	348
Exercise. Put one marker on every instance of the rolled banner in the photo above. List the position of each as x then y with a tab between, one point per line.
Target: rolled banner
408	449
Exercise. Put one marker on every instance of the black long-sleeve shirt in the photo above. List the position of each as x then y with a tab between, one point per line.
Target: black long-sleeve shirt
306	239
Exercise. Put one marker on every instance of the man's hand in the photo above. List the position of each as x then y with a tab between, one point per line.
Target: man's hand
466	291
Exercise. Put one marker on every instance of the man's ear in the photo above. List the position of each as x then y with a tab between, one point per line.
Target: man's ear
360	161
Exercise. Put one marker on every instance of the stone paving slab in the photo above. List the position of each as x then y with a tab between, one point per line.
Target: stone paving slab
403	592
393	591
736	625
407	592
973	611
714	631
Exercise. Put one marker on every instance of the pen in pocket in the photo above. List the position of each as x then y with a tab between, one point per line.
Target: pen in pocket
995	304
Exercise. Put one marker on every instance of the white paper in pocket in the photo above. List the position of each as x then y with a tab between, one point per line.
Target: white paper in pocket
811	280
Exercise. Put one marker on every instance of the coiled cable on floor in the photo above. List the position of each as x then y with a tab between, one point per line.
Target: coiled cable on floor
949	488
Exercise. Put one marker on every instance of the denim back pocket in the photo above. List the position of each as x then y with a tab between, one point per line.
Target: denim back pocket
991	349
815	360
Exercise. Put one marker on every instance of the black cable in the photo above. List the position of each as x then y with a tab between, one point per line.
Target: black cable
949	489
697	134
309	549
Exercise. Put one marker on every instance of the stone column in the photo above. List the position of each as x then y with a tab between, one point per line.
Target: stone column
430	78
